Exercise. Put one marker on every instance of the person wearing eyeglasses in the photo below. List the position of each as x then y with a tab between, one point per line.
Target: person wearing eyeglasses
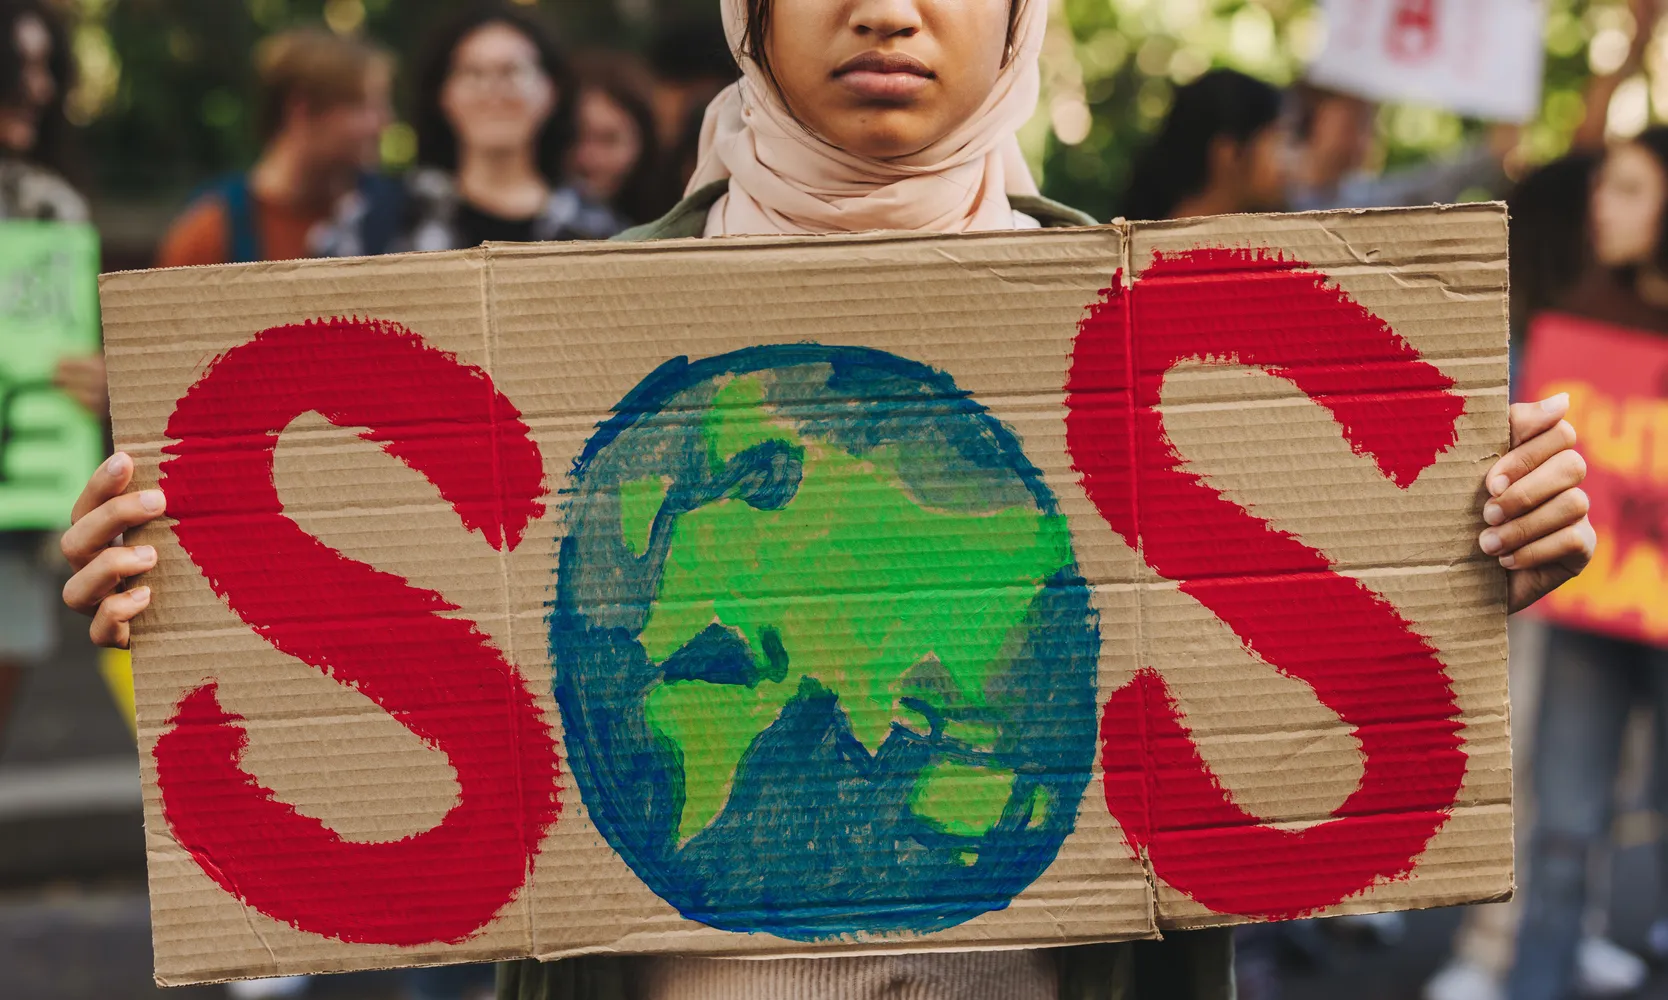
495	115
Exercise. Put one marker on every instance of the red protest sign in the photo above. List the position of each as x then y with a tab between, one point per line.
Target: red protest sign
1618	384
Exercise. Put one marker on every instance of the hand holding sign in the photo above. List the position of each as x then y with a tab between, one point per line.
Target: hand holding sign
777	574
1536	506
101	563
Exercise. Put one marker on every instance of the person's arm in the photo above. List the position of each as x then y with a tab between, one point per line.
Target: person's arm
84	379
1589	135
1437	182
200	236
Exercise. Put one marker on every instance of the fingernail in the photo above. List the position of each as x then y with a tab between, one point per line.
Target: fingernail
1510	562
152	500
1556	404
1490	541
140	595
115	464
146	554
1493	513
1498	485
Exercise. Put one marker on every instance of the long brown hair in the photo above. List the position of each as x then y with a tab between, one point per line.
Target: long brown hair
437	144
623	81
52	140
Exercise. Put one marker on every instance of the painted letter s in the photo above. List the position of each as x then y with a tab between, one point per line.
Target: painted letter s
369	630
1283	599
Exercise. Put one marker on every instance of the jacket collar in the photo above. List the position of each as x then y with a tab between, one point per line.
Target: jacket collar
688	218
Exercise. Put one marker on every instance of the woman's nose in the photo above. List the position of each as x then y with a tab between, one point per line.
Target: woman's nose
881	19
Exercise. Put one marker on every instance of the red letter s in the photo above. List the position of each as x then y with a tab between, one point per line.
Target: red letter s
1281	597
369	630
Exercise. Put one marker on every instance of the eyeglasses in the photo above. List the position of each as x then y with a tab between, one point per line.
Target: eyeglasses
516	76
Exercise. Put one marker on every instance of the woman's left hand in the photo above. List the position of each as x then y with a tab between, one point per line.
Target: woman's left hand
1536	509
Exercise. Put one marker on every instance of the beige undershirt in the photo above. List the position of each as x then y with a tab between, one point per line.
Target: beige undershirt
987	975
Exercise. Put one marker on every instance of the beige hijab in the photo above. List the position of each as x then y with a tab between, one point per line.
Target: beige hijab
783	179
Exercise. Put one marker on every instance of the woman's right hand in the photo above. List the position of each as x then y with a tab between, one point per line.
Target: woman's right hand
93	547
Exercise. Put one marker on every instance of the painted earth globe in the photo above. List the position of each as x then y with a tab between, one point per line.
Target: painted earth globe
824	659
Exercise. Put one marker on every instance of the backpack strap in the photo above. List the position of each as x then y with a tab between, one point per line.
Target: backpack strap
245	240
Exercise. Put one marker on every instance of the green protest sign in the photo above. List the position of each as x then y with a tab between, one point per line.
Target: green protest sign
49	443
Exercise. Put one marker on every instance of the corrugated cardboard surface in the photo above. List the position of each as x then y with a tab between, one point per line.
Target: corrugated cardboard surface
567	331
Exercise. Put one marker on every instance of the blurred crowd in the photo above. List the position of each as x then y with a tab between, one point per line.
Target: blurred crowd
519	140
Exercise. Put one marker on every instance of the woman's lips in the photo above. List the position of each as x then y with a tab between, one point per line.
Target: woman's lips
884	76
884	86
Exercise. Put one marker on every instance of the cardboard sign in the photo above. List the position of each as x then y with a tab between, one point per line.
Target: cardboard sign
1474	57
1618	384
776	597
49	443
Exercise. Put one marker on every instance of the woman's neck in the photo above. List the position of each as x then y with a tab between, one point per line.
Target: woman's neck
503	183
1651	285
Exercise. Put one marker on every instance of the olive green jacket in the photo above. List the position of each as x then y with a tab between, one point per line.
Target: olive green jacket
1188	965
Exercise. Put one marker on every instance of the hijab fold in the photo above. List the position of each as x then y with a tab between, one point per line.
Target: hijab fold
784	179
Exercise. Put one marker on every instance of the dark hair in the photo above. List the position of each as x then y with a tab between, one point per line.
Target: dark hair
1175	165
318	67
758	30
437	144
1548	233
1304	101
623	81
1654	141
682	159
52	138
692	49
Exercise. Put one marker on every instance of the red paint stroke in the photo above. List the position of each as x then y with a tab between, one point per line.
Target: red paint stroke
365	629
1361	657
1413	34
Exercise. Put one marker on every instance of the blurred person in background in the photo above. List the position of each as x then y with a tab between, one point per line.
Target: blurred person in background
691	62
1333	136
616	155
1218	152
1548	226
1549	256
1592	682
35	74
322	107
495	116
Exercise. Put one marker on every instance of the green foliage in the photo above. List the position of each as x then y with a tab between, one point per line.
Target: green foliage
1126	56
167	82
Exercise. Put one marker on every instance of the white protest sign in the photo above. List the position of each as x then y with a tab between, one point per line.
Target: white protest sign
1475	57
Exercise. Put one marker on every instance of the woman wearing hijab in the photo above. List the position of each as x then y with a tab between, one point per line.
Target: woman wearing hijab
885	114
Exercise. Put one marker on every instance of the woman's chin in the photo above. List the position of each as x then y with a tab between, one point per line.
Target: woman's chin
887	135
495	139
